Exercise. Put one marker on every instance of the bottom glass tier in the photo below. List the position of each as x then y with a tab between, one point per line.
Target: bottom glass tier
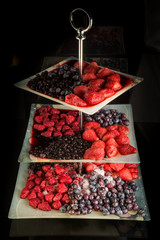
66	190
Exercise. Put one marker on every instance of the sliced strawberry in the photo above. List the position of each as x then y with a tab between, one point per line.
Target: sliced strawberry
103	72
97	82
91	125
91	68
44	206
107	167
80	90
114	85
75	100
111	151
90	135
94	153
107	92
111	141
122	139
88	77
125	174
111	134
131	165
92	98
115	77
116	166
99	144
123	129
100	131
126	149
90	167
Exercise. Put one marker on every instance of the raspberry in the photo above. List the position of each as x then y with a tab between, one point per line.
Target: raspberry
34	202
40	195
31	177
30	184
48	123
39	127
90	167
54	111
38	119
65	128
57	133
49	188
31	195
49	197
59	170
65	198
69	132
57	197
24	193
49	173
56	205
46	168
52	180
70	119
38	180
65	179
62	188
37	189
46	134
44	206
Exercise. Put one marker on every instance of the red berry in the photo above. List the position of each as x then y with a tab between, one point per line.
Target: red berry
90	135
88	77
115	77
49	197
80	90
44	206
34	202
62	188
90	167
91	125
39	127
30	184
114	85
111	151
122	139
38	119
126	149
91	68
31	195
75	100
24	193
116	166
92	98
59	170
125	174
104	72
56	205
58	197
107	92
100	131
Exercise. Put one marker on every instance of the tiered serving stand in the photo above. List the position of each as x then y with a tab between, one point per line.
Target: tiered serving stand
20	208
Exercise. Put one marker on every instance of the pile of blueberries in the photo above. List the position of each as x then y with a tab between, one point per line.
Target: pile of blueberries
58	83
115	197
107	117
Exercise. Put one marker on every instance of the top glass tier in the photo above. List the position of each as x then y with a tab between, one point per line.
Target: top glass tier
62	83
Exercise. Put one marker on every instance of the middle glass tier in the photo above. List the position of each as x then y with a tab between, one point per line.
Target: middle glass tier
53	135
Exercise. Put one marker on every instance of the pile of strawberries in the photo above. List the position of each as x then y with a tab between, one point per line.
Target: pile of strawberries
47	188
97	85
109	141
51	122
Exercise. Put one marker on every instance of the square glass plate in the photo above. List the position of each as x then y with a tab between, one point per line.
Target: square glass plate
124	108
20	208
90	109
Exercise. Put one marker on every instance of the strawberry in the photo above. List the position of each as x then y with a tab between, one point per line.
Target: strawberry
93	88
125	174
115	77
44	206
122	139
65	198
103	72
84	64
111	134
46	167
80	90
31	195
92	98
75	100
100	131
39	119
70	119
88	76
91	125
34	202
107	167
107	92
112	127
57	133
97	82
39	127
48	123
90	167
30	184
90	135
69	132
94	153
49	197
116	166
24	193
56	205
111	151
46	134
57	197
131	165
111	141
62	188
123	129
114	85
59	170
99	144
65	179
126	149
134	172
91	68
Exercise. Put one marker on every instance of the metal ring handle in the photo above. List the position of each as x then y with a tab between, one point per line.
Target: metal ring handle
89	18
